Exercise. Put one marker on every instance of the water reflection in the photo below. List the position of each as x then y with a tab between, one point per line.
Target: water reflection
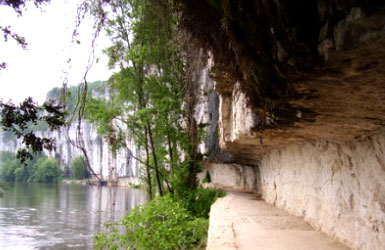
49	216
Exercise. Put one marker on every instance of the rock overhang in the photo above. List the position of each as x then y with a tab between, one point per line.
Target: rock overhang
340	100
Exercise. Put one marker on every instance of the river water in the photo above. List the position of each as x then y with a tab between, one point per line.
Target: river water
60	216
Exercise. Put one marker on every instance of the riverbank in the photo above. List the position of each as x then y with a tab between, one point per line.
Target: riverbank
243	221
133	182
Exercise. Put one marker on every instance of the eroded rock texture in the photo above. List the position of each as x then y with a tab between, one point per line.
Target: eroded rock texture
231	176
293	71
302	97
338	187
108	165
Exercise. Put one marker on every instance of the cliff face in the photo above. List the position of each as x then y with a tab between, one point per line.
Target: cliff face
321	153
338	188
120	167
103	161
341	100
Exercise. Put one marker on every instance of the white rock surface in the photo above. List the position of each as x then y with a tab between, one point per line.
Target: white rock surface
242	117
103	161
206	110
231	176
236	119
336	184
337	188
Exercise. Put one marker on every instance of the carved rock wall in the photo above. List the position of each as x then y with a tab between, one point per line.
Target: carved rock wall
321	150
328	167
338	188
231	176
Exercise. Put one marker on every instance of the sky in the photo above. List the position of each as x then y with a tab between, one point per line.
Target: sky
43	65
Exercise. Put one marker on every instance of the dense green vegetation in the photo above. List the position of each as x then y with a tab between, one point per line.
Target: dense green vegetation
161	224
70	96
153	100
164	223
40	169
147	94
79	168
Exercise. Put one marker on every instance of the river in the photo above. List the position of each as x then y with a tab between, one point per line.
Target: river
60	216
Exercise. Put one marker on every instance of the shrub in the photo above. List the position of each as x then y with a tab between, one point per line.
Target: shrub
161	224
21	174
47	170
39	169
199	201
207	178
79	168
7	170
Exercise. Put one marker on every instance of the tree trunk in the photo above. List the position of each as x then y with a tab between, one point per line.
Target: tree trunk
148	173
156	167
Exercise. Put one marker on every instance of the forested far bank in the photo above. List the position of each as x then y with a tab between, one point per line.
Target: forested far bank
40	169
105	163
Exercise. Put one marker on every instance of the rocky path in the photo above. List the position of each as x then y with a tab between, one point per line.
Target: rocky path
241	221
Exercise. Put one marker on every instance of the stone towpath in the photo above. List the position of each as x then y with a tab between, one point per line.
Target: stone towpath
241	221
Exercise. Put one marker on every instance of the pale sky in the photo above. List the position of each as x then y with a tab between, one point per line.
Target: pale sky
39	68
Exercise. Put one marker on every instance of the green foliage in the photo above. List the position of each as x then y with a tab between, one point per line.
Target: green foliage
21	174
39	169
199	201
5	156
79	168
146	104
7	171
8	165
148	90
207	178
136	186
97	88
2	188
47	170
19	119
161	224
70	95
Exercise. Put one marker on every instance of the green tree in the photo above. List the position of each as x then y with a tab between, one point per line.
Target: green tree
7	170
39	169
20	119
47	171
161	224
21	174
79	168
153	98
149	89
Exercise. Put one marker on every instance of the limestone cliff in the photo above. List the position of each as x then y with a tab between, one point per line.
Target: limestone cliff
120	166
310	127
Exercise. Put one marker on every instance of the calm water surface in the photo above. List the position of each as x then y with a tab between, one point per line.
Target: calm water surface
60	216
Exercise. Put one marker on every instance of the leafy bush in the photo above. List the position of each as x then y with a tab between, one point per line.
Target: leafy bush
47	171
5	156
7	170
21	174
39	169
79	168
199	201
161	224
